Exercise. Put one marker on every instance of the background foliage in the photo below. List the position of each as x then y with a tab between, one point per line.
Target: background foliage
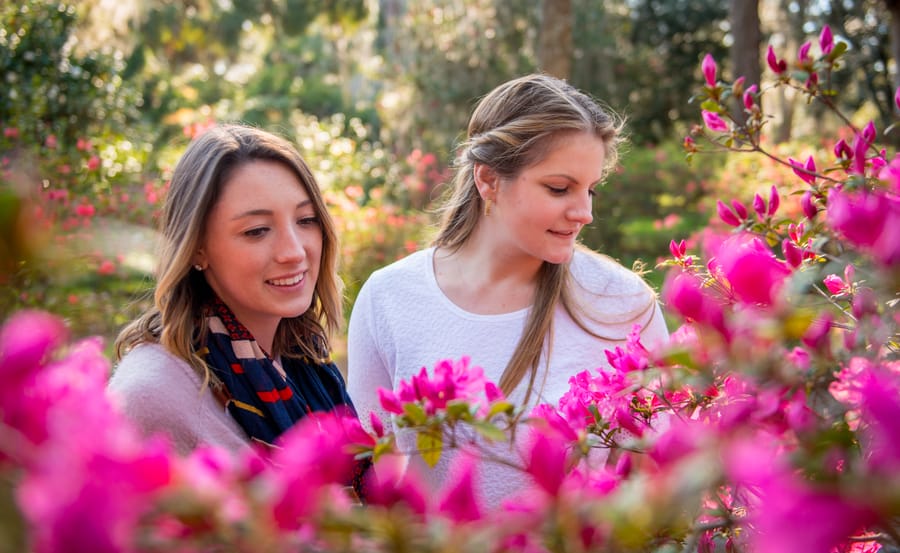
100	97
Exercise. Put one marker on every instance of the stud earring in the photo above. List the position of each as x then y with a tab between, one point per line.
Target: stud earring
487	207
198	267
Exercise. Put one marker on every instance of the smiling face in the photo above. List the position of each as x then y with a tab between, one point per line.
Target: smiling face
262	247
540	211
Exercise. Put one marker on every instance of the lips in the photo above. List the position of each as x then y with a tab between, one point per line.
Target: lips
287	281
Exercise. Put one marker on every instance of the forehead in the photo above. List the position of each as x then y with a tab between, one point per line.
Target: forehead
579	153
262	181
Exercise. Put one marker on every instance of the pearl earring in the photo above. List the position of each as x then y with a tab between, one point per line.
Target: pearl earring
198	267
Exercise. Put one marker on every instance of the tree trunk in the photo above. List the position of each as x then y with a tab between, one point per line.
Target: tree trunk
555	38
745	51
893	6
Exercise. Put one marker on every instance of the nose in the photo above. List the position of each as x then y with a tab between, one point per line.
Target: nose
582	211
291	246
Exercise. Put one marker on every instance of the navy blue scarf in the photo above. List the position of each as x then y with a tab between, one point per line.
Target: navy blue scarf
263	402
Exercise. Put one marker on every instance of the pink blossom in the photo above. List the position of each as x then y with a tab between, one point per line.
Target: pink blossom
774	201
389	401
547	462
759	205
755	274
709	70
808	206
749	96
776	65
397	485
740	209
799	357
677	250
826	40
714	122
93	163
459	500
835	285
890	173
860	148
792	253
725	213
806	172
803	52
842	150
27	340
870	220
51	142
684	293
10	132
85	210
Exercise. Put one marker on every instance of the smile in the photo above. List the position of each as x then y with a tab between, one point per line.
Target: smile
286	281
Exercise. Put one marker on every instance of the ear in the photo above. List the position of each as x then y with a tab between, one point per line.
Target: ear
486	181
199	259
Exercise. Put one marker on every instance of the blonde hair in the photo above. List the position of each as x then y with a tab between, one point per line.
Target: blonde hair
175	321
513	127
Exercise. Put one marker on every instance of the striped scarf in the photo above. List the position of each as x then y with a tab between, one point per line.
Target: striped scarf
263	402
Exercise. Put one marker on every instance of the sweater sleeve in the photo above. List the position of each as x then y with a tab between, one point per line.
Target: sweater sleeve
367	370
161	394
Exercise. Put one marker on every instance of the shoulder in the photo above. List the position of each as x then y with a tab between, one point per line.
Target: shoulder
412	263
150	374
602	275
401	277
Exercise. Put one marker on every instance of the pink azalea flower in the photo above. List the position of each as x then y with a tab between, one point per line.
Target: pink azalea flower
776	65
870	220
27	339
397	485
709	70
749	96
835	285
725	213
683	293
792	253
714	122
806	172
842	150
803	52
808	206
774	201
459	499
826	40
755	274
547	462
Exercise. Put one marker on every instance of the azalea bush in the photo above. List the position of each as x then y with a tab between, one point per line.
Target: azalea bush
770	422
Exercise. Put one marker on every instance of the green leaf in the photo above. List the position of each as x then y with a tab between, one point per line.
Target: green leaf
501	406
415	413
711	105
489	431
458	410
429	446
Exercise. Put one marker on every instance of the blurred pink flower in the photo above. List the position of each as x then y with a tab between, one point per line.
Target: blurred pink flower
755	274
714	122
776	65
870	220
826	40
709	70
459	500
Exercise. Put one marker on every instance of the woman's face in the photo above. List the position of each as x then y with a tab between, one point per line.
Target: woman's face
262	246
540	212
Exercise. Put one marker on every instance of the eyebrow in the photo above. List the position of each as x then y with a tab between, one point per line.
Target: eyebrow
569	178
254	212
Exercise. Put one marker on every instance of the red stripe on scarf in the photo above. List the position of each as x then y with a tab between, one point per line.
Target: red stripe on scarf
237	368
271	396
285	394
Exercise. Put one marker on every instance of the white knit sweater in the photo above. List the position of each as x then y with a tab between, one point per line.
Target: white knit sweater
402	321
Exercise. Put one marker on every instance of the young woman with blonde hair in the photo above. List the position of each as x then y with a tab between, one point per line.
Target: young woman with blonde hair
506	282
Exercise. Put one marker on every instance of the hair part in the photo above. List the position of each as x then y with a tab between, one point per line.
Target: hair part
176	318
513	127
